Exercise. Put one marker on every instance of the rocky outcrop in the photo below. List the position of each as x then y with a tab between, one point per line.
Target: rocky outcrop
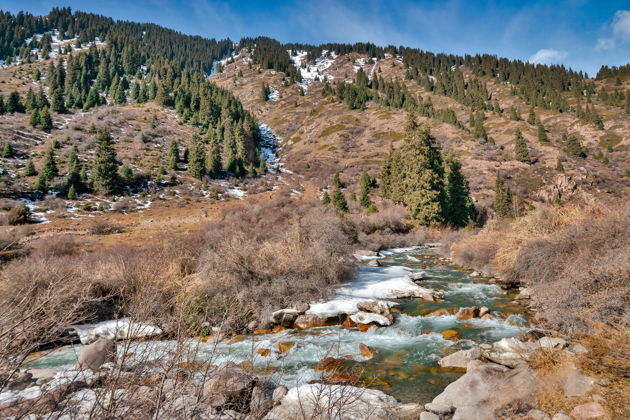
327	402
95	355
229	387
486	388
311	321
460	359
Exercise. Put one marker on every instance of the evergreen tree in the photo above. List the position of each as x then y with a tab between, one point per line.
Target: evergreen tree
339	201
30	169
365	183
514	115
326	198
542	133
105	169
337	180
58	104
559	166
7	152
34	119
414	175
173	155
72	193
459	208
521	150
197	158
49	170
3	108
213	160
531	119
41	183
502	197
573	146
46	120
14	104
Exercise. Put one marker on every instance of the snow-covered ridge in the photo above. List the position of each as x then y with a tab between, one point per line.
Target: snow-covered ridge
310	72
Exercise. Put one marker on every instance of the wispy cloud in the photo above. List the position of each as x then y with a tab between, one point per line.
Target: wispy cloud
620	28
548	56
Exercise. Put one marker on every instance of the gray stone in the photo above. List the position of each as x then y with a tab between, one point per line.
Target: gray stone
460	359
483	311
302	307
42	375
260	403
591	410
561	416
577	348
418	276
228	387
373	263
94	355
510	352
576	384
438	409
429	416
409	411
552	343
279	393
537	415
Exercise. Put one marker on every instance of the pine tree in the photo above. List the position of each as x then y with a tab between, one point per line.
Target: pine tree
559	166
7	152
339	201
573	146
173	155
197	158
459	208
542	133
30	169
521	150
49	170
41	183
531	119
3	109
514	115
337	180
72	193
502	197
46	120
415	175
58	104
14	104
213	160
34	119
105	169
365	182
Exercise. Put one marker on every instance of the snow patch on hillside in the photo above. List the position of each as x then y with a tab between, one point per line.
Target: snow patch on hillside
310	72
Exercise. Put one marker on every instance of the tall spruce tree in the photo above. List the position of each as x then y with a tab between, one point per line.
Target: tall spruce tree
105	178
365	182
173	155
197	158
339	201
502	197
521	151
213	160
542	133
459	209
49	170
415	175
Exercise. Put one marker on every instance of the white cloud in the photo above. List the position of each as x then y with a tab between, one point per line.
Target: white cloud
548	56
621	25
605	44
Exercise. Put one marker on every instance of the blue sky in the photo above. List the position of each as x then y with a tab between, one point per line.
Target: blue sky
581	34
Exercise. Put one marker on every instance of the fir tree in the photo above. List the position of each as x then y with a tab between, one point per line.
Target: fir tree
573	146
502	197
173	155
326	198
34	119
14	104
337	180
46	120
105	169
72	193
41	183
7	152
49	170
30	169
58	104
531	118
213	160
514	115
197	158
521	150
542	133
339	201
365	182
459	208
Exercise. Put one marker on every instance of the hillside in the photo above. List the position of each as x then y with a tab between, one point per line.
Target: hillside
201	228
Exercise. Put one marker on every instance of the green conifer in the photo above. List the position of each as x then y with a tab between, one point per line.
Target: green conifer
339	201
365	183
7	152
521	150
502	197
30	169
105	169
459	208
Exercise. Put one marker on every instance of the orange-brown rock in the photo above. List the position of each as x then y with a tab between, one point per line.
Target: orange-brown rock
347	322
439	312
328	364
365	327
264	352
237	338
396	310
468	313
262	331
366	351
285	347
342	377
278	328
450	334
311	321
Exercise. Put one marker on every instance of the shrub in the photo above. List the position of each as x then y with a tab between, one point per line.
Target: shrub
19	215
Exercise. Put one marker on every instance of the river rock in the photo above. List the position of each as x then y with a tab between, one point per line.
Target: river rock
42	375
552	343
421	275
94	355
260	403
439	312
577	348
373	263
301	307
468	313
485	388
587	411
536	414
438	409
510	352
229	387
576	384
426	415
309	321
483	311
524	293
20	383
366	351
279	393
460	359
279	316
327	402
561	416
408	411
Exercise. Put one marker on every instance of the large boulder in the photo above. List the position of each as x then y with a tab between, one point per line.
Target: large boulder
369	318
510	352
339	402
95	355
590	410
310	321
229	387
468	313
460	359
486	388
